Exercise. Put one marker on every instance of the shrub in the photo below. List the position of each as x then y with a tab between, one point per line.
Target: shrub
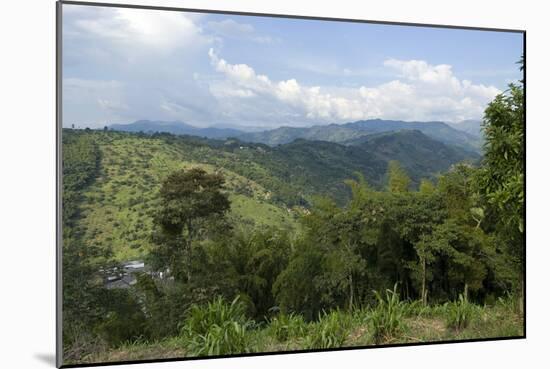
509	304
124	321
217	328
459	313
387	318
331	331
286	326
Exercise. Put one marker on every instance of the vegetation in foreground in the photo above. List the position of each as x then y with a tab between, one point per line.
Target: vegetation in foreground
221	329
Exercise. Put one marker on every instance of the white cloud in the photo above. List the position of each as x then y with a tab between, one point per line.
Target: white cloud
422	92
100	101
138	28
230	27
113	105
233	29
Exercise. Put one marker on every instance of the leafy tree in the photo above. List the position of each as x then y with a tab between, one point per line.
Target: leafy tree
455	257
501	178
248	262
398	180
294	289
190	201
426	187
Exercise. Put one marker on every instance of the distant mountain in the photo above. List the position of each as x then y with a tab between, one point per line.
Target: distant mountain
472	127
322	166
344	133
418	154
283	135
176	127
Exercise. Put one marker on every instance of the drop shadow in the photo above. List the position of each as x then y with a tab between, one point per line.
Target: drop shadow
46	358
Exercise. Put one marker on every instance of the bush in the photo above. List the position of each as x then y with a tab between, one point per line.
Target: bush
331	331
286	326
459	313
509	304
387	318
217	328
124	320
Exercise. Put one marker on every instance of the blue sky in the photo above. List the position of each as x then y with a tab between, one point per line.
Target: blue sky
122	65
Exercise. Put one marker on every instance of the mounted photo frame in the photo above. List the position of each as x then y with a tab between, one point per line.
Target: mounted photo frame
235	184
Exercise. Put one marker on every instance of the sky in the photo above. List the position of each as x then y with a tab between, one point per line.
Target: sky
211	70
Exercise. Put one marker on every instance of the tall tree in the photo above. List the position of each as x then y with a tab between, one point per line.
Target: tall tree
502	174
190	201
398	180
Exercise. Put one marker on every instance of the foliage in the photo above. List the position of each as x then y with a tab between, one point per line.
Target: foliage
124	320
501	179
164	305
189	200
459	313
217	328
386	318
398	180
502	175
330	331
286	326
250	262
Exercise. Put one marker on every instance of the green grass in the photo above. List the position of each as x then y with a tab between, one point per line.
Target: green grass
334	329
284	327
331	331
218	328
257	211
386	320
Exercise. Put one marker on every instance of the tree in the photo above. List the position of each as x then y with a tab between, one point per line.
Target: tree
502	174
398	180
190	201
426	187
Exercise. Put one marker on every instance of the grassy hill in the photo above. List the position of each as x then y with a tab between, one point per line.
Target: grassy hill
116	210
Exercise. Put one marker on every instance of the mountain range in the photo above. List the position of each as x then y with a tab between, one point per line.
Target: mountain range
349	132
472	127
462	134
175	127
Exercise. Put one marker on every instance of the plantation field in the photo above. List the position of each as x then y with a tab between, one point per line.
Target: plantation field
400	323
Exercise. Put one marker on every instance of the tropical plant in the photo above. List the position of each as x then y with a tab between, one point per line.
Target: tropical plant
217	328
387	317
459	313
330	331
287	326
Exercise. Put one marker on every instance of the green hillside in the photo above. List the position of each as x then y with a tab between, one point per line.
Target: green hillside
116	210
416	152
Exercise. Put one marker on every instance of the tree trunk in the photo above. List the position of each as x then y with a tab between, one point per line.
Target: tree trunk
522	295
350	292
190	236
424	292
